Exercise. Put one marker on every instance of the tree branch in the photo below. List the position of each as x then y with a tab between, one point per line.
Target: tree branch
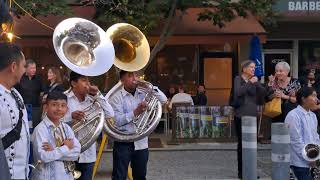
164	34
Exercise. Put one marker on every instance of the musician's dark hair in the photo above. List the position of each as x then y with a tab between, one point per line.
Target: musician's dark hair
123	72
75	76
9	53
246	64
304	92
56	95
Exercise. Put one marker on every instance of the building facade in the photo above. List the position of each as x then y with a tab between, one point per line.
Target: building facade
196	53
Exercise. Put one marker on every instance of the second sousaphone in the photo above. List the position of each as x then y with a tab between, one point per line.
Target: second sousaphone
132	49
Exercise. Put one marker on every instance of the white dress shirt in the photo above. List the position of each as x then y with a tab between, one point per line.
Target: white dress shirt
52	166
303	130
124	103
181	98
74	104
18	153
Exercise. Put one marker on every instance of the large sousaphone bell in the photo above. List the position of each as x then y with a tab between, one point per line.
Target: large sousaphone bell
85	49
132	51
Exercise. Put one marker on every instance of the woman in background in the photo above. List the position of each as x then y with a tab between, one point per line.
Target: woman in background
281	85
55	82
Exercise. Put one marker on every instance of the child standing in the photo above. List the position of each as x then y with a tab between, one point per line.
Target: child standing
54	144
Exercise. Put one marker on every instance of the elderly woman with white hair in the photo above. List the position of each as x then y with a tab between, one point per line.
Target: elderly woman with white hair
281	85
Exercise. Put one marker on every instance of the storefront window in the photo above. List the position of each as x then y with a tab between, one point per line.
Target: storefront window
309	57
174	65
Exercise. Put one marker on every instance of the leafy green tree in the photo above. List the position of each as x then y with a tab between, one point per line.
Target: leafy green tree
41	7
147	14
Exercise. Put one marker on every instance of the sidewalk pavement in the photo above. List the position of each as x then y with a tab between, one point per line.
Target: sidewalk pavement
196	161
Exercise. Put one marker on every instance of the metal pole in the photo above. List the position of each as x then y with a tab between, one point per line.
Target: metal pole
280	154
249	147
97	163
4	169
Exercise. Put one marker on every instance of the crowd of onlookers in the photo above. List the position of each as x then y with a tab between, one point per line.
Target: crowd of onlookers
34	90
247	93
295	95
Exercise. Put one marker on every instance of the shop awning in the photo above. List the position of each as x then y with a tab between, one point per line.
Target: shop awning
191	31
188	30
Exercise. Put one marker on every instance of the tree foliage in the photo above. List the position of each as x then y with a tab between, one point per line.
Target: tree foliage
147	14
41	7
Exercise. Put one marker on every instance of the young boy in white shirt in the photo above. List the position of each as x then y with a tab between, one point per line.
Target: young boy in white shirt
54	144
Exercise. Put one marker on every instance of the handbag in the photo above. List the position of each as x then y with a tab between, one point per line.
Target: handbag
272	108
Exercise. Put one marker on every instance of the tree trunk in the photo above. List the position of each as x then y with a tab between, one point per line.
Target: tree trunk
166	32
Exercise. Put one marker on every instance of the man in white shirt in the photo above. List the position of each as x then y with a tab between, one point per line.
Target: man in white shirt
78	99
127	104
181	97
14	128
303	125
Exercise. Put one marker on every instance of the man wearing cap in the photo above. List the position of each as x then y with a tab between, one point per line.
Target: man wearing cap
127	104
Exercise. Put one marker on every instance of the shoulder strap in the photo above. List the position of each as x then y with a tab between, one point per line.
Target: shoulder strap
53	86
14	134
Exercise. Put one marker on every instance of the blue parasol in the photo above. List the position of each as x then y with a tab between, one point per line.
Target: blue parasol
256	55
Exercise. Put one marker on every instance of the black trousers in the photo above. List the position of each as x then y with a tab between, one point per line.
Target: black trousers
123	154
237	121
86	170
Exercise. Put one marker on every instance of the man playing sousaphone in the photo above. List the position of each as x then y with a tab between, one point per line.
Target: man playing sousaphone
80	96
128	103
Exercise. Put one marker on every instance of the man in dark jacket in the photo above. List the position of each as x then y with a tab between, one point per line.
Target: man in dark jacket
31	88
200	98
30	85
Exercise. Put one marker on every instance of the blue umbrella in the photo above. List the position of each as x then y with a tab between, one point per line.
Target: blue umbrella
256	55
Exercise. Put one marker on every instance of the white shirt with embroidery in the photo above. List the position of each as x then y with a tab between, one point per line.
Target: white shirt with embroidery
18	153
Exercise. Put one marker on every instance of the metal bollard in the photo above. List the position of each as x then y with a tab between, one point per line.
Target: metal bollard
280	154
249	147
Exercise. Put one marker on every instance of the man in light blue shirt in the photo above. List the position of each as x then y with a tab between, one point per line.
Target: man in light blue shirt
303	130
80	96
127	104
55	146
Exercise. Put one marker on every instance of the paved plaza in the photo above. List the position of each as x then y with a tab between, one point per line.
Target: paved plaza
202	161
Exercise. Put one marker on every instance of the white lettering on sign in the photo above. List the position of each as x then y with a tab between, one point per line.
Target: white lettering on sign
291	6
312	6
304	5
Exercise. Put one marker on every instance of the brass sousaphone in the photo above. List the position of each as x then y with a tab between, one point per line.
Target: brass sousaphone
85	49
132	53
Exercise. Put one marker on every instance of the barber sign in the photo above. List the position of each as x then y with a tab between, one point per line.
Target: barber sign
304	5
